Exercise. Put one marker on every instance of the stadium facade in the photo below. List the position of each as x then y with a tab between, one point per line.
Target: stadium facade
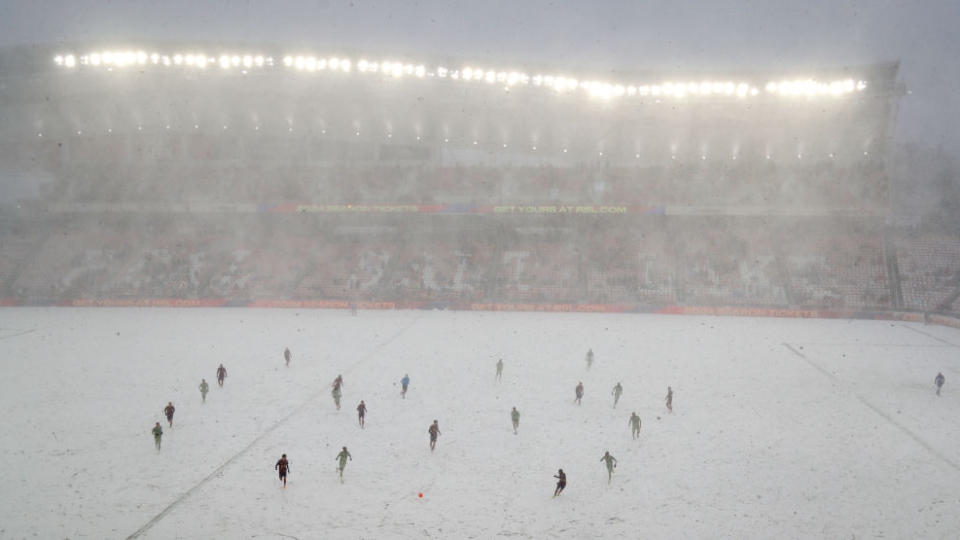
265	175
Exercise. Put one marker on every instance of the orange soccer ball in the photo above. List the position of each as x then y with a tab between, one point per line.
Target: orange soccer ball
420	495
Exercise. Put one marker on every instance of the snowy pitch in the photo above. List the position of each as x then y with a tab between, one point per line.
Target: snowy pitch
781	428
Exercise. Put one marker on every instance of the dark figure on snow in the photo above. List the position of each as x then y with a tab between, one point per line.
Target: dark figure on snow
404	382
579	393
515	418
561	482
221	375
635	425
204	388
669	399
434	432
287	355
168	410
499	368
284	467
361	411
938	382
338	382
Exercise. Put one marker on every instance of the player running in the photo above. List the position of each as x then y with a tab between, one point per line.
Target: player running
338	382
204	388
515	418
434	432
361	412
168	410
611	464
287	355
284	467
617	390
157	434
579	393
635	425
938	382
561	482
221	375
670	399
589	359
404	382
342	456
499	369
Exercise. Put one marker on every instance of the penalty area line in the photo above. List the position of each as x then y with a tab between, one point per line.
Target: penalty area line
880	413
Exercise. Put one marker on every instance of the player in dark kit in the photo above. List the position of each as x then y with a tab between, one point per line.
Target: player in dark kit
287	355
405	382
338	382
204	388
669	399
284	467
434	432
938	382
579	393
499	369
635	425
168	410
221	375
361	411
561	482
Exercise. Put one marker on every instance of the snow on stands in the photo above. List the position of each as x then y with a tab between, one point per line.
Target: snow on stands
781	427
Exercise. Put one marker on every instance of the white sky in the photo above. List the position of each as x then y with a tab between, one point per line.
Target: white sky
782	428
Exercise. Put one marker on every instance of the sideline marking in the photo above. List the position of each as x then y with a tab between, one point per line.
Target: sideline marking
931	336
156	519
882	414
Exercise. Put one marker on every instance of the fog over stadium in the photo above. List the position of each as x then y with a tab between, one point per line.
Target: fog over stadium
401	170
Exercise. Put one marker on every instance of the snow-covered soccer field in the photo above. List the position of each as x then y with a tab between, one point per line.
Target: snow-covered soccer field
781	428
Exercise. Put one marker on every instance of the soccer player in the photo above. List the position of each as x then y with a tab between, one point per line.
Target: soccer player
579	393
515	417
336	396
405	382
670	399
434	432
361	411
287	355
938	382
342	456
221	375
499	368
168	410
635	425
338	382
284	467
611	464
589	358
617	390
157	433
204	388
561	482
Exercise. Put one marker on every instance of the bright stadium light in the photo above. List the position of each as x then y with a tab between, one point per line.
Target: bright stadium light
288	61
631	91
861	85
442	72
189	60
321	64
513	78
467	73
141	57
58	60
235	61
258	60
334	63
345	65
771	86
201	61
848	85
69	60
362	66
420	71
408	69
397	69
478	74
310	63
224	61
247	61
178	59
155	58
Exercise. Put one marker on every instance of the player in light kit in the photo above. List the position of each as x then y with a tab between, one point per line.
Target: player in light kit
405	381
157	434
499	368
515	418
617	390
342	456
204	388
611	464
